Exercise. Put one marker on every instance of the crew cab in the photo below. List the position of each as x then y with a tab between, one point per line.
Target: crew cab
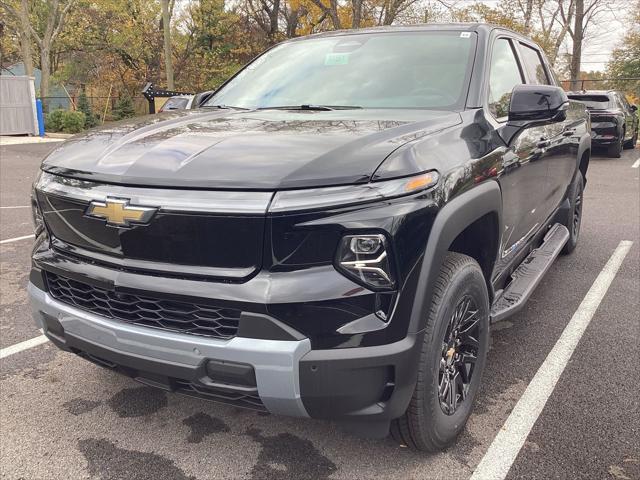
614	121
330	235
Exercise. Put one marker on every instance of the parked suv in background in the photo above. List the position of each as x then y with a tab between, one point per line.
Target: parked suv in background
178	102
328	236
614	122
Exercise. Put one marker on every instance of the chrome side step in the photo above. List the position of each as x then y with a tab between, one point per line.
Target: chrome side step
527	276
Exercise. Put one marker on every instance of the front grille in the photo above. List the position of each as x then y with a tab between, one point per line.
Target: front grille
182	317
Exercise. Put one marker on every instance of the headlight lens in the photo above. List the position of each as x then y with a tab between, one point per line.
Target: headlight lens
314	198
366	258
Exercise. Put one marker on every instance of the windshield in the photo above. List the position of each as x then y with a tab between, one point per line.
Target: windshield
381	70
592	102
175	103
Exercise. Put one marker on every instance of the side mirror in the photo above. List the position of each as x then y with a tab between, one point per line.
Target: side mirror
537	104
202	98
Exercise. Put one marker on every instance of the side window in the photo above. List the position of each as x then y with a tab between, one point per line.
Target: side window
533	65
624	101
504	74
616	101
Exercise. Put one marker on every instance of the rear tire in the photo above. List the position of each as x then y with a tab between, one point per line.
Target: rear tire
574	219
632	143
452	358
615	149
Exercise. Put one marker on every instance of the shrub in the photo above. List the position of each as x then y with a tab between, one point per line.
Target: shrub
90	120
73	122
64	121
124	108
53	120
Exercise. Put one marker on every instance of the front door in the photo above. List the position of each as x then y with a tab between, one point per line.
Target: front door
523	179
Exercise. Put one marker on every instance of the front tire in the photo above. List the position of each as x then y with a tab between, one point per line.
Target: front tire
452	358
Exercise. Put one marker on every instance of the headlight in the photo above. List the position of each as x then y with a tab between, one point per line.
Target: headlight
366	258
314	198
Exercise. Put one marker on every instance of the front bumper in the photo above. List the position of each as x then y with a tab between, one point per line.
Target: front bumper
364	383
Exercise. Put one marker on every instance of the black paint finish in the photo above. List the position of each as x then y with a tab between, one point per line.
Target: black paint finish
501	184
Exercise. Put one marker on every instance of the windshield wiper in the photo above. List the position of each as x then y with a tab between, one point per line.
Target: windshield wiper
319	108
224	107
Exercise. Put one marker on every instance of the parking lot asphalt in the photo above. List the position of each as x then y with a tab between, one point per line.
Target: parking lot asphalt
62	417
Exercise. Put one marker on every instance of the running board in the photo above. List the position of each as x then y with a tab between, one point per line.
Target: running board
527	276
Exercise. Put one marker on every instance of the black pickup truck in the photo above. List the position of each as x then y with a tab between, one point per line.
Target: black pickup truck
330	235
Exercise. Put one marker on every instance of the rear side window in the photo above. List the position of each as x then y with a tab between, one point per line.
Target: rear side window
503	76
533	65
623	101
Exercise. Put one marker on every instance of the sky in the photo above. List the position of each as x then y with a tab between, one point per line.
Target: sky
604	35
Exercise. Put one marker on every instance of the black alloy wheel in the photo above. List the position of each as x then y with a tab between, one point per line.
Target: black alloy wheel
577	210
574	216
459	355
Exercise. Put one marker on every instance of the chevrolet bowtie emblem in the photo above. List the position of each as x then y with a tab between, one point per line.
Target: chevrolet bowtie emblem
118	213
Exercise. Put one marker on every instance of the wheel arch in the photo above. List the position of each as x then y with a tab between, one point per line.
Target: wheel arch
584	155
459	220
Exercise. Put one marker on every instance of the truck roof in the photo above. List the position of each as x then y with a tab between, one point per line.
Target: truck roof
485	28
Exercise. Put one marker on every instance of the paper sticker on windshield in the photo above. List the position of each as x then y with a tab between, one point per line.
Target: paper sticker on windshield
465	34
336	59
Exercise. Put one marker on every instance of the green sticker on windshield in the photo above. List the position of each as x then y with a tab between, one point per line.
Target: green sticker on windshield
336	59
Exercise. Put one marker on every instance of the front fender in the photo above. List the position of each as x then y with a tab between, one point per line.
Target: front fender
452	220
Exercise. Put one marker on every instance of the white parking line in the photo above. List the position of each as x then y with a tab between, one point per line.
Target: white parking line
505	447
19	347
16	239
17	206
636	164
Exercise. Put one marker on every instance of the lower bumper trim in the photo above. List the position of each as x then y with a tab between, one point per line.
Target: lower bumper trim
166	358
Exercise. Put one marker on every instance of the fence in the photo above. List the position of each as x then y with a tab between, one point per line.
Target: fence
17	106
629	85
101	106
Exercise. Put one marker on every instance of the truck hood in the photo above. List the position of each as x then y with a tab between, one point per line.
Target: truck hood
260	150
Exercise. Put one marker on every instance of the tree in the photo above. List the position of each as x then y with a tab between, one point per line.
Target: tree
54	16
266	14
330	10
168	60
84	106
625	60
123	108
22	30
585	14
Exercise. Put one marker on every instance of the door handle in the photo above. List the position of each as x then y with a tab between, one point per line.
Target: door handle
568	133
543	143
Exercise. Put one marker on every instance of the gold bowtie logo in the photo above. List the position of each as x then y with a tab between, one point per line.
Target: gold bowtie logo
117	212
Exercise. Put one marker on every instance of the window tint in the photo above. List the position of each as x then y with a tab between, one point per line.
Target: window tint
503	76
593	102
533	66
377	70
